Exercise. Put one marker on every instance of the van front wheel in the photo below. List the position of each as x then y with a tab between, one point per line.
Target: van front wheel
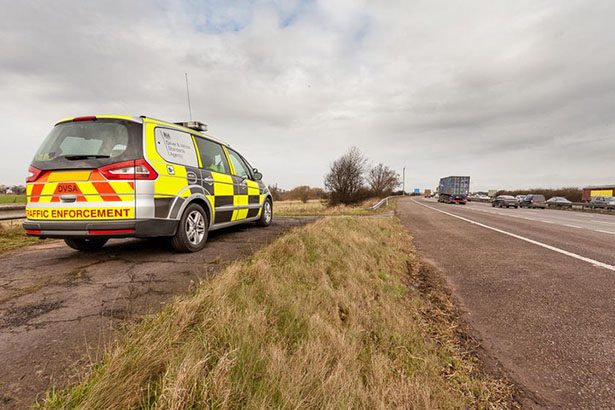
86	244
191	233
266	213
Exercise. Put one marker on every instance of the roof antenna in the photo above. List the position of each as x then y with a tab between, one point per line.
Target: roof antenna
188	93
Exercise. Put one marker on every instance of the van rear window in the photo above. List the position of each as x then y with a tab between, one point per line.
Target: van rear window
90	143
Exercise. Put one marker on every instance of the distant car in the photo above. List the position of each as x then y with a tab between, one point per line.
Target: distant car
483	197
520	198
533	201
505	201
602	202
559	202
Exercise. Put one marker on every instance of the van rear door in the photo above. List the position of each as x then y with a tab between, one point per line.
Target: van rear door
85	171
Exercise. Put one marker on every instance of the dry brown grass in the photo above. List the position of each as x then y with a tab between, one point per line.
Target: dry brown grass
317	207
12	235
328	316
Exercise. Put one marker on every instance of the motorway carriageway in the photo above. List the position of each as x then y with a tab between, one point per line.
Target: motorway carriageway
595	230
604	223
538	287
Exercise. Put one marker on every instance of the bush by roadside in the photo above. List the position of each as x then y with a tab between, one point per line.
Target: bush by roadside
330	315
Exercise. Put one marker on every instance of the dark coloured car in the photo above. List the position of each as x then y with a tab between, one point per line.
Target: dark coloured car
533	201
602	202
559	202
507	201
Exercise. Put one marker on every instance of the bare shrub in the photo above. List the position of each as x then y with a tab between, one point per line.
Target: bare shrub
276	192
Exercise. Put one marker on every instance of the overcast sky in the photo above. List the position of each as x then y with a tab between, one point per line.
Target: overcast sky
513	93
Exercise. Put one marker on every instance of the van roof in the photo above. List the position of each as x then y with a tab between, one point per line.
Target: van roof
143	119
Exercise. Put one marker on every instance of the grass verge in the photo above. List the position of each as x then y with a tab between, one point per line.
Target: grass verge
331	315
12	199
317	207
13	236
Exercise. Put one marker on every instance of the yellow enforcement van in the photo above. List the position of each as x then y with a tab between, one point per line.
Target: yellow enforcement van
114	176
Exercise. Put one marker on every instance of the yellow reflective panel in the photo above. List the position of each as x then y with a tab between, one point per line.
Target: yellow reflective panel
67	176
65	214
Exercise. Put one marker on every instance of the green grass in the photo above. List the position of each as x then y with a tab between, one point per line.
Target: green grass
330	315
13	236
12	199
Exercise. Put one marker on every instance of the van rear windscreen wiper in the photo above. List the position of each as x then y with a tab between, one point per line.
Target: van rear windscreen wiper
83	156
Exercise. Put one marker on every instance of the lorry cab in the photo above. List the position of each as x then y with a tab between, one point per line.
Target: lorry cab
112	176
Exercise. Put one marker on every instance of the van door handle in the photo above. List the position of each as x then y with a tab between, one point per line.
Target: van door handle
208	180
68	198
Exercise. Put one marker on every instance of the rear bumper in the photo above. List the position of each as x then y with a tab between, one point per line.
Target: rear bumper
145	228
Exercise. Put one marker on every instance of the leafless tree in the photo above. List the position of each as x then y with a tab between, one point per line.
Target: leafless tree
382	180
345	177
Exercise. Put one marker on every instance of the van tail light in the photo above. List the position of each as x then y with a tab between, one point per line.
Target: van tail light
138	169
33	174
85	118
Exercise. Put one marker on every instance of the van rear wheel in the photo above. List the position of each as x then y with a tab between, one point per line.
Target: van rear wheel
191	234
86	244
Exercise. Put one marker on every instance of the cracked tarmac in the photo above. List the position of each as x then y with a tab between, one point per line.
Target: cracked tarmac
59	308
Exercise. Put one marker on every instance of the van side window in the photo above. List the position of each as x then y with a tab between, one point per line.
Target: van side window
212	156
241	169
176	146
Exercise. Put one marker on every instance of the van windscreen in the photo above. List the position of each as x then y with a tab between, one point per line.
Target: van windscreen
89	143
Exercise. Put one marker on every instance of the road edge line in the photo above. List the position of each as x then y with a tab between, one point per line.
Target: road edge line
593	262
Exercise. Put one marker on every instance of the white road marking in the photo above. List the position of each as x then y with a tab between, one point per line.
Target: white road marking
593	262
603	222
573	226
600	230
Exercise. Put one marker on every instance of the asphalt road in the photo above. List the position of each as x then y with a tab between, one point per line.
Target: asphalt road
59	308
597	222
538	286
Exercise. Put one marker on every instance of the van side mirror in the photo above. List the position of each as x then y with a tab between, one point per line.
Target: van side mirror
257	175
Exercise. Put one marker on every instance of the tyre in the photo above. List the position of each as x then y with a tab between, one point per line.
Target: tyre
86	244
191	234
266	213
